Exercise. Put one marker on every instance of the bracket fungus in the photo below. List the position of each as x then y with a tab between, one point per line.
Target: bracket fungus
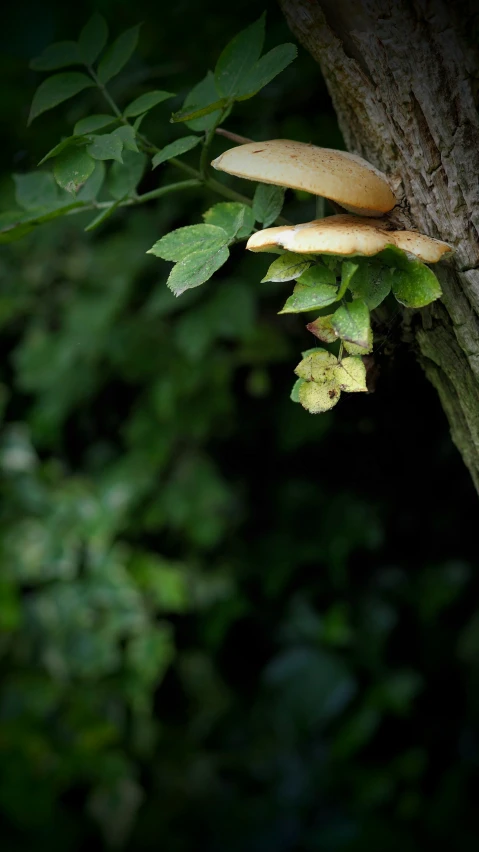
337	175
347	235
348	263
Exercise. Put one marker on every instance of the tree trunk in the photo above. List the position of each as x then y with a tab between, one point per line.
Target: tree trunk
403	78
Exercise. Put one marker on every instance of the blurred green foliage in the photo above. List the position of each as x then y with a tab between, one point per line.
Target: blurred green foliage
224	623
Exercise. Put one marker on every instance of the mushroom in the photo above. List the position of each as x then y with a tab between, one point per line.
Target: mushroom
347	235
342	177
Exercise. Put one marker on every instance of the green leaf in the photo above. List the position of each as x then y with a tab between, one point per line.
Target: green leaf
317	398
146	102
351	322
92	38
103	216
196	268
348	268
294	396
195	111
175	149
179	244
123	178
225	215
54	90
91	188
17	223
287	267
317	274
414	285
237	58
128	137
118	54
351	375
92	123
106	147
323	329
268	202
69	142
371	282
35	190
266	69
58	55
73	168
201	95
309	298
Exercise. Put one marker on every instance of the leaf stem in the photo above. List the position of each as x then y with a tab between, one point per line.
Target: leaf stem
138	199
106	94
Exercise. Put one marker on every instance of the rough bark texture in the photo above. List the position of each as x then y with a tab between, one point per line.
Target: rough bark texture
403	77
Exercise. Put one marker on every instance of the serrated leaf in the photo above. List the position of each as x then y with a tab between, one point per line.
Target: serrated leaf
72	168
91	188
414	285
177	245
351	375
348	268
118	54
35	190
317	398
196	268
127	136
69	142
318	365
371	282
61	54
175	149
103	216
225	215
123	178
354	349
92	123
294	395
146	102
266	69
235	61
287	267
201	95
312	351
323	329
54	90
195	111
309	298
106	147
317	274
92	38
268	202
351	322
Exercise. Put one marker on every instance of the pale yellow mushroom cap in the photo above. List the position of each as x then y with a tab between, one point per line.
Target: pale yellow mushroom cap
342	177
347	235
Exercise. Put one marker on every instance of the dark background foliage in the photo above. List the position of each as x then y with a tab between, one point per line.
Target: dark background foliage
225	624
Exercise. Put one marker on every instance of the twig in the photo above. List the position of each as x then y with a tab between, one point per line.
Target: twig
240	140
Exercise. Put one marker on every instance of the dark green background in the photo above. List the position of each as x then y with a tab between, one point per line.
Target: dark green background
225	624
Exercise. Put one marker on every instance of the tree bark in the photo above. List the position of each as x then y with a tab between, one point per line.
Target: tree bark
403	78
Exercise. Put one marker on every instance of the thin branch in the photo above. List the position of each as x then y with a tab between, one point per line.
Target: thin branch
234	137
106	95
138	199
197	176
